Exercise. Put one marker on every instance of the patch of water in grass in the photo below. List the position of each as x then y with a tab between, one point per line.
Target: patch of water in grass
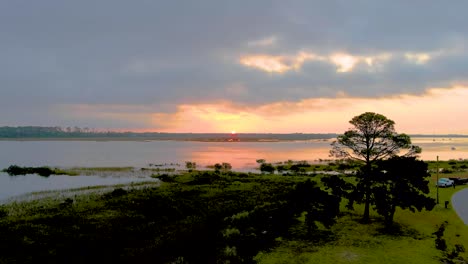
13	186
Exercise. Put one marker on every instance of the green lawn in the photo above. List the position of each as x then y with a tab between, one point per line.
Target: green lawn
358	243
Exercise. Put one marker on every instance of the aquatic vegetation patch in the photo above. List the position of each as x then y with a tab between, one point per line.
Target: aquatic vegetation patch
44	171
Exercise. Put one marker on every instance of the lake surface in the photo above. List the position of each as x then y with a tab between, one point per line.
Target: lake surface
241	155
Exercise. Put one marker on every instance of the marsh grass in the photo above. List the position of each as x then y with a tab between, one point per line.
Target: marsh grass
140	223
184	220
21	206
103	168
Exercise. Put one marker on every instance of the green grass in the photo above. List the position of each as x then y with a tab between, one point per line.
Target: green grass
358	243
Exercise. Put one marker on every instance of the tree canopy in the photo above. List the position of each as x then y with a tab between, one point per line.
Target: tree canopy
401	182
371	138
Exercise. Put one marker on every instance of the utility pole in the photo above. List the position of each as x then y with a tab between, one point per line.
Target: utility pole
437	182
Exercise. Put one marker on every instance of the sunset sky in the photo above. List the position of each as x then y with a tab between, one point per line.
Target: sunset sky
246	66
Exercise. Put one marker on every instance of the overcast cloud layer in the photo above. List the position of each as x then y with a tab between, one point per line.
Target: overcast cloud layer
152	56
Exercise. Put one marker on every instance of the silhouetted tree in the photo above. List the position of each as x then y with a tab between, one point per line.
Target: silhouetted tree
401	182
226	167
190	165
339	187
217	167
371	138
319	204
267	168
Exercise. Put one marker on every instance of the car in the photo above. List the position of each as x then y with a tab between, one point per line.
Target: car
459	181
444	182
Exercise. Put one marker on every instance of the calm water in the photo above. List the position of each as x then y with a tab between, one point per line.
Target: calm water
241	155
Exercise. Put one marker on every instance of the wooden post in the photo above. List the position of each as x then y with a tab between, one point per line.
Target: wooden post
437	182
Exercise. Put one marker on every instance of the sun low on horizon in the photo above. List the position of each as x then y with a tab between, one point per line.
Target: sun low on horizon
414	114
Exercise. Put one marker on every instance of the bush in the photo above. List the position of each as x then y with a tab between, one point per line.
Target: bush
205	178
118	192
15	170
3	212
267	168
447	171
165	178
43	171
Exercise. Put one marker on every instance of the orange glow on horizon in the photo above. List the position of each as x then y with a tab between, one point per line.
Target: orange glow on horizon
438	111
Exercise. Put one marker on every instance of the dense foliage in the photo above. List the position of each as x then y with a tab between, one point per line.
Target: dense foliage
401	182
197	218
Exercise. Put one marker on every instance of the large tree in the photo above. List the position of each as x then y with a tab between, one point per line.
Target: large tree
401	182
371	138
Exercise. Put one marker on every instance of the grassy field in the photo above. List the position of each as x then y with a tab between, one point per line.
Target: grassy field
357	243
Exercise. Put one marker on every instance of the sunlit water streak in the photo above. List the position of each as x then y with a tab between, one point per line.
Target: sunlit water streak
241	155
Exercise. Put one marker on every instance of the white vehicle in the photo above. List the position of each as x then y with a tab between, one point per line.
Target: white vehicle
444	182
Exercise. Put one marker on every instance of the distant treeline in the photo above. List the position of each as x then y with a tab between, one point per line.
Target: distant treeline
46	132
7	132
77	132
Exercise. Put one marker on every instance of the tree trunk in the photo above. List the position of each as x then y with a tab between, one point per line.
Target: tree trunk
367	193
388	221
390	217
366	217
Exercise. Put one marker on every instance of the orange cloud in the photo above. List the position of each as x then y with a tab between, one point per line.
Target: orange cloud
277	64
418	58
344	62
437	111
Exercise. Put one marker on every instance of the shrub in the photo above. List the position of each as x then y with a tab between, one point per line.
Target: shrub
165	178
267	168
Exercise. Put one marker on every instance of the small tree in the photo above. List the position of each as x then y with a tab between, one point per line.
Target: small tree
226	167
371	138
267	168
190	165
217	167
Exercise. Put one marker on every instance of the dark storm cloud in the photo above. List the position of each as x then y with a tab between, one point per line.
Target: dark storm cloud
162	53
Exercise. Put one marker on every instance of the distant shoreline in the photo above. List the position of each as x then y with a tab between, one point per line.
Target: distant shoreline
218	138
147	139
40	133
194	137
